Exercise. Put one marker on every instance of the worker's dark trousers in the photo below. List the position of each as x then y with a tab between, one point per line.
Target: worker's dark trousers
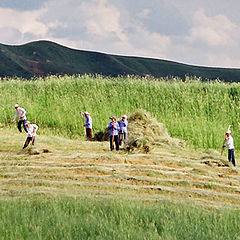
20	123
88	132
231	157
121	137
28	140
116	140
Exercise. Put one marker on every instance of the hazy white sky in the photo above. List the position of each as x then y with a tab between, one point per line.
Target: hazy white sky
205	32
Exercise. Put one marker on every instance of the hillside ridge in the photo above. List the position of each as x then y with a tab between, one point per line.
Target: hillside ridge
41	58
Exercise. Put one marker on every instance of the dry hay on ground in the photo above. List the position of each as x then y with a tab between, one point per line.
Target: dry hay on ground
31	151
3	125
212	157
144	131
102	135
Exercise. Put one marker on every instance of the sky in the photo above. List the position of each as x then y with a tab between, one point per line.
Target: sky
197	32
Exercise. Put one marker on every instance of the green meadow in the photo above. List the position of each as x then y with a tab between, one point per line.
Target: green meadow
198	112
69	218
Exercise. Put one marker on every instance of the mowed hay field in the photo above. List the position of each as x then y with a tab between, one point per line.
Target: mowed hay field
76	167
77	189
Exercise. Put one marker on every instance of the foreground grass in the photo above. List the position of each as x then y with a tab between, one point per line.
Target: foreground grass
194	111
70	218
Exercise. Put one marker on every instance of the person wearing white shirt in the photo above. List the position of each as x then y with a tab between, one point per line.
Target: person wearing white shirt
21	114
230	146
32	132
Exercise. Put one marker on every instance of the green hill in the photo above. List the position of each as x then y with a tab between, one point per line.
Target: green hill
42	58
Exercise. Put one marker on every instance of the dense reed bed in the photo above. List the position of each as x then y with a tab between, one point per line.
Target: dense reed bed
198	112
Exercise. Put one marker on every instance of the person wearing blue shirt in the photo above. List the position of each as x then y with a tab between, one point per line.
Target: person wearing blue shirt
123	123
88	124
114	129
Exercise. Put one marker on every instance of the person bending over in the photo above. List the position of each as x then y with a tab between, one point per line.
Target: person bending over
31	134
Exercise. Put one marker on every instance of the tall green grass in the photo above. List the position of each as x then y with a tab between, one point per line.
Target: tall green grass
192	110
69	218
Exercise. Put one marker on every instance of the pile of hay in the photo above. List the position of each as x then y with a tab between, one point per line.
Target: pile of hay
31	150
102	135
144	131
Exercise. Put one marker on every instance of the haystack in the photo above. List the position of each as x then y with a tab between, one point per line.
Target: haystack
144	132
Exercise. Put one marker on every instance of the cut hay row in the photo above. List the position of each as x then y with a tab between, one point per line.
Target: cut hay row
136	169
158	168
230	185
113	187
134	179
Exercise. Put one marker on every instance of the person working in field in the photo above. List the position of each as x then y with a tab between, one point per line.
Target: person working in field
114	128
88	124
230	146
21	114
123	123
32	132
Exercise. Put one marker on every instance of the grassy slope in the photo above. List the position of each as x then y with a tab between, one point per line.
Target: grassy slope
81	190
43	57
76	167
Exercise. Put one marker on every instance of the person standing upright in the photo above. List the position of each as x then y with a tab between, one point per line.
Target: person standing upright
21	114
88	124
114	129
230	146
123	123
